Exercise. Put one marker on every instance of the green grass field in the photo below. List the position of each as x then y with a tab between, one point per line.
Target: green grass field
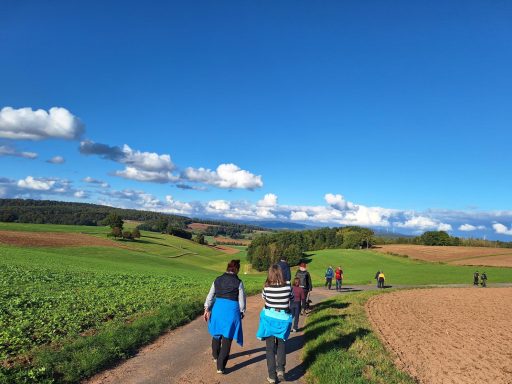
360	266
119	298
67	312
341	346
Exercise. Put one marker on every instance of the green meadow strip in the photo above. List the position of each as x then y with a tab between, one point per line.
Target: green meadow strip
341	347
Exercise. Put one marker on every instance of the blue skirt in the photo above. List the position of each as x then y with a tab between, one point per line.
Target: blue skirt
225	320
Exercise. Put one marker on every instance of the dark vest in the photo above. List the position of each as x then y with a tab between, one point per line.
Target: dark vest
226	286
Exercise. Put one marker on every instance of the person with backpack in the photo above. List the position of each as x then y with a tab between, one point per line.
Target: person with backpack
285	268
338	274
305	283
224	310
329	274
275	322
298	297
377	278
382	278
476	276
483	279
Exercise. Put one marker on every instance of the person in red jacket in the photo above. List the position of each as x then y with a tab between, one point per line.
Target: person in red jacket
339	278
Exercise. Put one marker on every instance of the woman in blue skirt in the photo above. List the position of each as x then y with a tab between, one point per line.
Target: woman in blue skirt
224	310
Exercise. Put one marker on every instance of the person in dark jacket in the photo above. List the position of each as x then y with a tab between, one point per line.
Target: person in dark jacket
285	268
224	309
298	297
304	282
329	274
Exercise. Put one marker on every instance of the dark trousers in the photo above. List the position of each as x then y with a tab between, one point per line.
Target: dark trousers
328	282
381	283
220	351
304	303
295	310
275	347
338	284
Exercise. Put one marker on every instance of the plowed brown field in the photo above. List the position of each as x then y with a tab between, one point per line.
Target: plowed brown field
499	257
448	335
53	239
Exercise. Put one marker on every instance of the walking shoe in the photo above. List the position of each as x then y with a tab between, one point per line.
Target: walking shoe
280	375
220	371
271	380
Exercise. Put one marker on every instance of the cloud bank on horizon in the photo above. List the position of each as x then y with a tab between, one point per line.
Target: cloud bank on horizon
150	167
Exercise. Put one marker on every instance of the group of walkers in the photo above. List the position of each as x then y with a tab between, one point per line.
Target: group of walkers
338	275
480	279
225	306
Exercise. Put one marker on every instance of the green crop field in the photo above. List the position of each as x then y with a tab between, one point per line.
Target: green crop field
118	298
360	266
67	312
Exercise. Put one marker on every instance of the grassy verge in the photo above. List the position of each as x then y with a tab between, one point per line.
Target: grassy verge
342	348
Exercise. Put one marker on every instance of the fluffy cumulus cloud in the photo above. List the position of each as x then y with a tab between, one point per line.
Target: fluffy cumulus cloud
469	227
423	223
269	200
56	160
29	124
338	202
7	150
502	229
228	176
36	184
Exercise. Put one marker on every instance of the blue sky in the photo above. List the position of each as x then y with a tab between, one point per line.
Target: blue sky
392	115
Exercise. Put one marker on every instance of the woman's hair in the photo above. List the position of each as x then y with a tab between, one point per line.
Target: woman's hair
233	266
275	276
296	282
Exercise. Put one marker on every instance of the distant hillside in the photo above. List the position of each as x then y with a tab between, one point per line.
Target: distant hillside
71	213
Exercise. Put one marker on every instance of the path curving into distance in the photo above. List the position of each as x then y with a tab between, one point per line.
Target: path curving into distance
184	354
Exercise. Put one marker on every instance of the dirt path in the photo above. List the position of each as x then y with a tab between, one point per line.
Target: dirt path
184	354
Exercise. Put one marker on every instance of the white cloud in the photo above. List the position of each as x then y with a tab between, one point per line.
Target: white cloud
502	229
177	207
423	223
147	161
80	194
300	215
218	206
28	124
338	202
141	175
36	184
7	150
469	227
269	200
56	160
96	182
226	176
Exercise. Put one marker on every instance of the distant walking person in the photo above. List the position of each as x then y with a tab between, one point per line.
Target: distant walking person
377	278
275	322
329	274
285	268
483	279
338	274
224	310
476	276
304	282
298	297
382	278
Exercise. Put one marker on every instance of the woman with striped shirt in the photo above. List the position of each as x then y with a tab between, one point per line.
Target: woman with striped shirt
275	321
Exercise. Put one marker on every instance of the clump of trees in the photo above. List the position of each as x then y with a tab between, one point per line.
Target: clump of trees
200	239
266	249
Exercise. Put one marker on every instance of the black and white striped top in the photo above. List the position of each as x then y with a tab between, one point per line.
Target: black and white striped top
277	296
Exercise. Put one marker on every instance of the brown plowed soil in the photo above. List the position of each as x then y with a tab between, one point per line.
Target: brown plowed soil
200	226
452	255
448	335
222	239
53	239
226	249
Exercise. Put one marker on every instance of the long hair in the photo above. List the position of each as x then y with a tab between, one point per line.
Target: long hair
233	266
275	276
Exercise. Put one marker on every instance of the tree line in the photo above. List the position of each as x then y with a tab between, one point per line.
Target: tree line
266	249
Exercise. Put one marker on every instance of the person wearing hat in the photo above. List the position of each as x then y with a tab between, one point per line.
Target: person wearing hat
305	283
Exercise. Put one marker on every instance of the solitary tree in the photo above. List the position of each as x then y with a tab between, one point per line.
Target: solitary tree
116	232
113	220
136	233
